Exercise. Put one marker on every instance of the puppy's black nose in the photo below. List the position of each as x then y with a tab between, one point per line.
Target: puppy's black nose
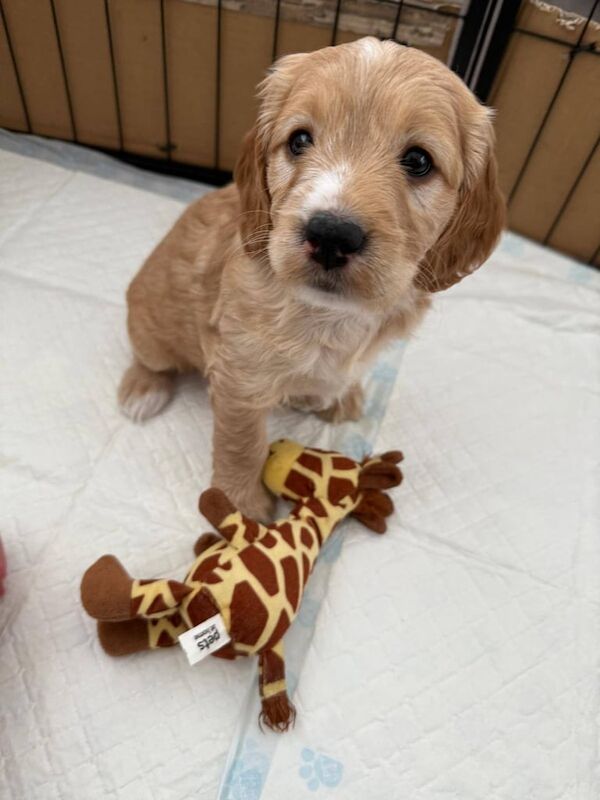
333	239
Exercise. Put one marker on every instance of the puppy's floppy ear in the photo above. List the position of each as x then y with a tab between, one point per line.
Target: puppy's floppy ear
478	219
255	201
250	172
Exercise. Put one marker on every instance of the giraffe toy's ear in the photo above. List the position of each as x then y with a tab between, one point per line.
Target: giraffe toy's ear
381	472
372	510
376	474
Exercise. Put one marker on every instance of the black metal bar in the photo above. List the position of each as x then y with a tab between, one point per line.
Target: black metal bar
496	48
437	12
551	105
591	48
114	73
218	88
336	22
16	69
163	38
571	192
397	19
64	71
215	177
470	35
276	29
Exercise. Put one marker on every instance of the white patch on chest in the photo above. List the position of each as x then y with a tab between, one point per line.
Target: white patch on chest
335	338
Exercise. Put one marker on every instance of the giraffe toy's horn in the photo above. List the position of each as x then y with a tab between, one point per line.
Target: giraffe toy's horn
381	472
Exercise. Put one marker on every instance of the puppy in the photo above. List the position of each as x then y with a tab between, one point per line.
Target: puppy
367	183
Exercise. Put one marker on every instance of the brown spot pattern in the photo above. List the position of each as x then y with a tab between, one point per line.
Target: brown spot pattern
341	462
136	602
227	652
306	539
268	540
313	463
251	531
272	667
248	615
203	570
285	530
292	580
228	532
201	607
179	590
158	604
283	623
299	484
315	526
305	568
338	488
261	567
316	507
164	640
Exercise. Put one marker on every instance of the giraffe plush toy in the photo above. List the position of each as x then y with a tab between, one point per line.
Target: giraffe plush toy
253	575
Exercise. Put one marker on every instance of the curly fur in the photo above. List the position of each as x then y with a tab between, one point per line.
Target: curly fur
231	292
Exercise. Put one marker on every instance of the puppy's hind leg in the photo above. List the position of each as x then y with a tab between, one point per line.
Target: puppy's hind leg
143	392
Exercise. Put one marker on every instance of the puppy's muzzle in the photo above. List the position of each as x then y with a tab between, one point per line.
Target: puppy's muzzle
333	239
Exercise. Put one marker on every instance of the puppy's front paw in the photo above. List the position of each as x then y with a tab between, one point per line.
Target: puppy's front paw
143	393
348	408
255	502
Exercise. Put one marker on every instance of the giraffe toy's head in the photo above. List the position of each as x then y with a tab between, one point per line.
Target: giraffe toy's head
300	473
283	454
308	474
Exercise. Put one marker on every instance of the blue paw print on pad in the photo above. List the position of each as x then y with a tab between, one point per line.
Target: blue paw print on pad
320	770
247	774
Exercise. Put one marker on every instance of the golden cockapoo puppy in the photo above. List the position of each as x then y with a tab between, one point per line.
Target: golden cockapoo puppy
367	183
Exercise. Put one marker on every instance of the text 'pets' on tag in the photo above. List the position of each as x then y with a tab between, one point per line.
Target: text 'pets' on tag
204	639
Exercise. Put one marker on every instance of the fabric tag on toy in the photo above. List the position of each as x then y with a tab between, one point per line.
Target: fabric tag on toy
204	639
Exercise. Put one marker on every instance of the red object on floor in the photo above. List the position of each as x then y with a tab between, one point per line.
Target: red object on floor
2	568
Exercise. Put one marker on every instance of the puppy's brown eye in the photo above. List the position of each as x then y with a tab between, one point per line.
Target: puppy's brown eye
299	141
416	162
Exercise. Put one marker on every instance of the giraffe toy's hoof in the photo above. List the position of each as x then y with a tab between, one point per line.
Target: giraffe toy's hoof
106	590
123	638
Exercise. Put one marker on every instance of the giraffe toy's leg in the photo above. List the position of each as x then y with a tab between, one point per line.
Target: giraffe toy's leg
133	635
106	590
278	712
124	638
205	541
233	526
110	594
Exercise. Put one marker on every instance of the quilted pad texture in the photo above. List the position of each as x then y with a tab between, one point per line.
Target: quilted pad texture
455	657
